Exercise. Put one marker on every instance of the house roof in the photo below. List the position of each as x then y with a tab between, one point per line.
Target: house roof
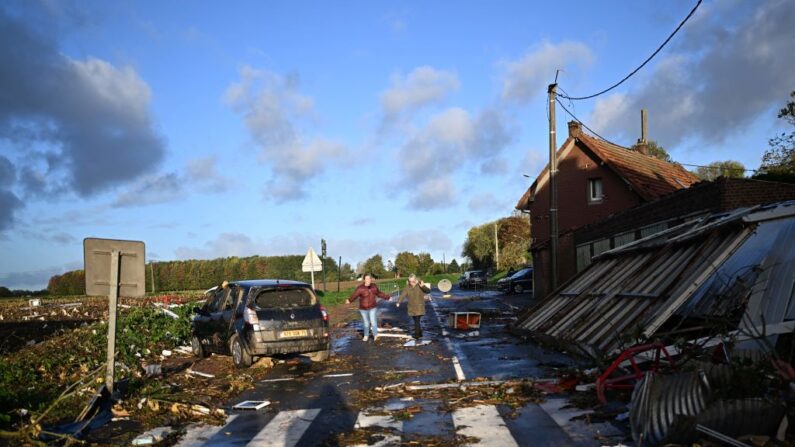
648	176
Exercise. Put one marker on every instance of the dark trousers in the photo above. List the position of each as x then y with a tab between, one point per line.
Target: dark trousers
417	327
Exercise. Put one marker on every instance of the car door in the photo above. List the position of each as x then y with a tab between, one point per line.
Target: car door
216	320
202	321
227	314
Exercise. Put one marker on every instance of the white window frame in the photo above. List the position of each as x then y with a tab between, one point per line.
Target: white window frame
592	190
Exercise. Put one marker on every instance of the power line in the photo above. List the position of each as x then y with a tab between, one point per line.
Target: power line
681	24
583	124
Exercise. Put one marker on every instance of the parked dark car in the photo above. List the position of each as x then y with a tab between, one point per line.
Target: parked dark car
472	279
259	318
519	282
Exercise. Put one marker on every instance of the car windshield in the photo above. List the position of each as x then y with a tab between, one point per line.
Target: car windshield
521	273
282	297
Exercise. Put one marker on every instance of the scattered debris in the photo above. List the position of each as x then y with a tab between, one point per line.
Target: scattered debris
193	372
280	379
153	436
251	405
414	342
388	335
338	375
153	370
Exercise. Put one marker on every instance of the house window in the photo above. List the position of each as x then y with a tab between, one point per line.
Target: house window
595	190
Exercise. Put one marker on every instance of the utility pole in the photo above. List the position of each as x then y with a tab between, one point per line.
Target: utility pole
339	273
152	270
552	92
496	247
444	264
323	261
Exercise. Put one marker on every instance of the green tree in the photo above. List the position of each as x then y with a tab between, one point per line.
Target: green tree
479	246
780	158
424	263
406	263
375	266
514	240
728	168
656	151
437	268
453	266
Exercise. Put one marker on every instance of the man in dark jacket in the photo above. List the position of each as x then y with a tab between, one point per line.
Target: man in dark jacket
415	292
368	295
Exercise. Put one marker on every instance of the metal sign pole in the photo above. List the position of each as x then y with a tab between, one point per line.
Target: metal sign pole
113	297
313	276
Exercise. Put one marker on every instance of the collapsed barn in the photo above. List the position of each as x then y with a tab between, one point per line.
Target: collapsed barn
724	273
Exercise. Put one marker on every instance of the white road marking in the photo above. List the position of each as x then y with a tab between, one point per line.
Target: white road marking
198	434
459	372
377	420
485	423
365	420
286	429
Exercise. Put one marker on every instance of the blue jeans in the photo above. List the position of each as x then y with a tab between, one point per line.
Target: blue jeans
370	319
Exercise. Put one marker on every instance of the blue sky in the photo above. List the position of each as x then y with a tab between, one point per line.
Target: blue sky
260	127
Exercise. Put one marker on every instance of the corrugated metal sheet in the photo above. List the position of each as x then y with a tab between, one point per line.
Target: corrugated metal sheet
702	268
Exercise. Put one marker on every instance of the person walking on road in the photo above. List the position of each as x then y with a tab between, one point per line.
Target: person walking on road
368	294
415	291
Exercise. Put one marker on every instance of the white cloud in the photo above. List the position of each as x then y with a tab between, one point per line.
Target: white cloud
79	126
351	250
201	175
487	202
272	108
525	78
727	68
433	193
449	142
35	279
422	86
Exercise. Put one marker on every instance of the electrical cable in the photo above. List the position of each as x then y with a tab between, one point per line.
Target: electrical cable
681	24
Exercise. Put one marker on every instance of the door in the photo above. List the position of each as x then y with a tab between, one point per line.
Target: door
227	314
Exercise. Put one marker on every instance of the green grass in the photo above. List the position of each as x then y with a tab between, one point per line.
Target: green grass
390	287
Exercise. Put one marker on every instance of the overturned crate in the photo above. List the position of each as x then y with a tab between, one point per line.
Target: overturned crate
463	320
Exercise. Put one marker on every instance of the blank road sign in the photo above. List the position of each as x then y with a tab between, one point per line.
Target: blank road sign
97	258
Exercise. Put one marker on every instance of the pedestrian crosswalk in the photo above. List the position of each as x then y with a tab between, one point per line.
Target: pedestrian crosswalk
480	426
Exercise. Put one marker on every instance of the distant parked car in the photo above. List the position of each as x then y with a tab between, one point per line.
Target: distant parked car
259	318
519	282
472	278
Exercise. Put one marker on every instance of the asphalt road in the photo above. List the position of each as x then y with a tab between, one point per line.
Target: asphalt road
336	403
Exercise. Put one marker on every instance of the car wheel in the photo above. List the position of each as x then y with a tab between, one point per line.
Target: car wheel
319	356
198	348
240	356
518	288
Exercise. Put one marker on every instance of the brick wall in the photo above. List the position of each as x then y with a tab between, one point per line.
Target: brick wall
575	210
721	195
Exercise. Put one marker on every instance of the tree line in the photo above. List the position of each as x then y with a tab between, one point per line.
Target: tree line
202	274
405	264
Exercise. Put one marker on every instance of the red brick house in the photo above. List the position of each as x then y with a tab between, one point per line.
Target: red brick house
596	179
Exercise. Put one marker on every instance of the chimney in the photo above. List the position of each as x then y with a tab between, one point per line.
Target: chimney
642	145
643	127
575	129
